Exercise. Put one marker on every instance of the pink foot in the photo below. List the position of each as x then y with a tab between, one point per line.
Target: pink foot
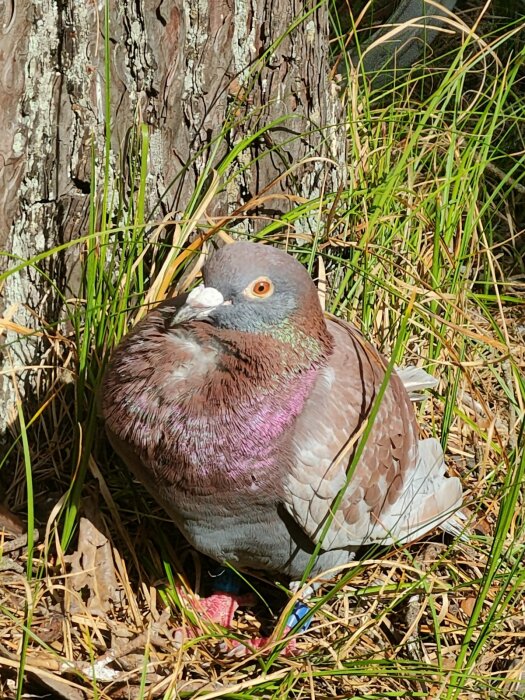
220	607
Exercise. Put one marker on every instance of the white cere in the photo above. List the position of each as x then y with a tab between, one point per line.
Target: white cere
203	296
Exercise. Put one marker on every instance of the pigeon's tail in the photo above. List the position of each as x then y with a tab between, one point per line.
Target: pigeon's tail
415	380
430	498
456	525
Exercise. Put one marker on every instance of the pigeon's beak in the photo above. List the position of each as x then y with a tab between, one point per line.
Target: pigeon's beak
200	302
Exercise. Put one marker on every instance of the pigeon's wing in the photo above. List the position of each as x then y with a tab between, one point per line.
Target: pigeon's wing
398	489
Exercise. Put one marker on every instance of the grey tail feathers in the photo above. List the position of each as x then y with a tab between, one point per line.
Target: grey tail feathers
415	379
456	525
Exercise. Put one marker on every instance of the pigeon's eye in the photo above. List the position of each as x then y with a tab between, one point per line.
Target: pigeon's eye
262	287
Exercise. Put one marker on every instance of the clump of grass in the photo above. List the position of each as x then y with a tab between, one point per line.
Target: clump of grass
420	249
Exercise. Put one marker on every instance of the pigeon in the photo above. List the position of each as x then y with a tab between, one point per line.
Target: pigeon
240	405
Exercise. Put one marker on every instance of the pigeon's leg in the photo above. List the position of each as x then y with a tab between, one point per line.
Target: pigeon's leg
300	609
227	597
221	607
299	612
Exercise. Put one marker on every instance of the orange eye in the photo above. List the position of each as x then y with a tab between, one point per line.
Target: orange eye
262	287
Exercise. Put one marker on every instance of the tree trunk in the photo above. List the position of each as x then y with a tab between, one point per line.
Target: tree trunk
183	67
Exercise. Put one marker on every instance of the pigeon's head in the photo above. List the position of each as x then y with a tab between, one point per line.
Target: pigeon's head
255	288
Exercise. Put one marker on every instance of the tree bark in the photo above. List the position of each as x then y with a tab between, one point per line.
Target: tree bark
183	67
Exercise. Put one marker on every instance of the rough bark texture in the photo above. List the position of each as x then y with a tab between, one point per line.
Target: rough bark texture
181	66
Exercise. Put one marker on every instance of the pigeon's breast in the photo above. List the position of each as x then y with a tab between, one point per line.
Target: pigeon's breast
194	360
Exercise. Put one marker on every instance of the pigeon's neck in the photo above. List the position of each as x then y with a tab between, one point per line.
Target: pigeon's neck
270	359
289	348
303	350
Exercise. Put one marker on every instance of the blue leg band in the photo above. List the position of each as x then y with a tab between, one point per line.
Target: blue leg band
300	610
